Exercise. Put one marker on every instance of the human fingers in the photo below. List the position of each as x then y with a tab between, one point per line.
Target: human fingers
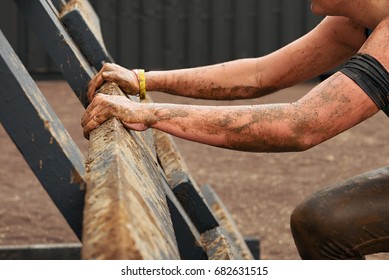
126	79
94	121
96	113
94	84
98	80
104	107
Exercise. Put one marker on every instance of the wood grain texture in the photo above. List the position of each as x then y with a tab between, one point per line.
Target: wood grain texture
126	213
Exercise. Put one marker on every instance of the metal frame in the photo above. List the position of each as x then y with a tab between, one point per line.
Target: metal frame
43	18
184	223
41	138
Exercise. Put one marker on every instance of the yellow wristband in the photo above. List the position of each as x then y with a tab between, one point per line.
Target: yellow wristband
142	83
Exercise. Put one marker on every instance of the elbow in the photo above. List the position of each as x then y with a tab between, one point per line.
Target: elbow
305	137
306	130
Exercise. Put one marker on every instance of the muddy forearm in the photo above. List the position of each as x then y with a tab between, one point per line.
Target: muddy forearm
244	128
327	110
239	79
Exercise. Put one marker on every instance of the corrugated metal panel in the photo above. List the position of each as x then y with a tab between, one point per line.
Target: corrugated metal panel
166	34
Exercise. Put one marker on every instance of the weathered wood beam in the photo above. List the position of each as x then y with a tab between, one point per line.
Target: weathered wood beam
218	245
168	154
254	245
215	239
126	213
188	238
83	26
41	252
183	186
42	18
226	221
77	72
58	4
41	138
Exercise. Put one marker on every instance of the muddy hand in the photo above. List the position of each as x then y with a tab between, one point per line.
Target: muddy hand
125	78
103	107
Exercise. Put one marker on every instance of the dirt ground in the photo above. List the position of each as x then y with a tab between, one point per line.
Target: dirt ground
260	190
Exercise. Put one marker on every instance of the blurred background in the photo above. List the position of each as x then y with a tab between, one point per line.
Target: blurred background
165	34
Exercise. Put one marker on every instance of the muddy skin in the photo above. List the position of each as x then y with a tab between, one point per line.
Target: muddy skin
237	92
164	114
214	92
322	127
347	220
225	122
266	141
207	89
252	135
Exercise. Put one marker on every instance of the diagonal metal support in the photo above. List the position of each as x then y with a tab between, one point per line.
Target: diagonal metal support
83	26
204	217
226	221
135	214
41	252
41	138
42	17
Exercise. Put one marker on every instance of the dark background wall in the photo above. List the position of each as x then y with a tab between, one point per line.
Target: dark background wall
166	34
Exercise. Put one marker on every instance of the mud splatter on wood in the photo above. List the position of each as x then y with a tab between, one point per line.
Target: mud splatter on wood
226	222
217	245
126	214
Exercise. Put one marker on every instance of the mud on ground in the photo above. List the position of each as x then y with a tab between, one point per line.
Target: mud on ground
260	190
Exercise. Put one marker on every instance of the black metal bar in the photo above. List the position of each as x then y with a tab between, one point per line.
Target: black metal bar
226	221
41	252
83	26
58	4
41	138
43	19
254	245
187	237
194	205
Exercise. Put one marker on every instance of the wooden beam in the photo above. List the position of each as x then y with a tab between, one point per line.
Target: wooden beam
58	4
126	213
123	194
226	221
192	201
41	138
218	245
254	245
188	238
183	186
41	252
45	17
215	239
83	26
42	18
168	154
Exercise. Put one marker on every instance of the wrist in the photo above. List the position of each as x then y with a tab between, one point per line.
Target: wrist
149	112
141	77
157	81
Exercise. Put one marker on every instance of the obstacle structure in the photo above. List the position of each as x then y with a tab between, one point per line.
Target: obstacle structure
133	197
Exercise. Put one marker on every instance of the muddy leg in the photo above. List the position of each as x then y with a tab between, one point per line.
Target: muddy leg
345	221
